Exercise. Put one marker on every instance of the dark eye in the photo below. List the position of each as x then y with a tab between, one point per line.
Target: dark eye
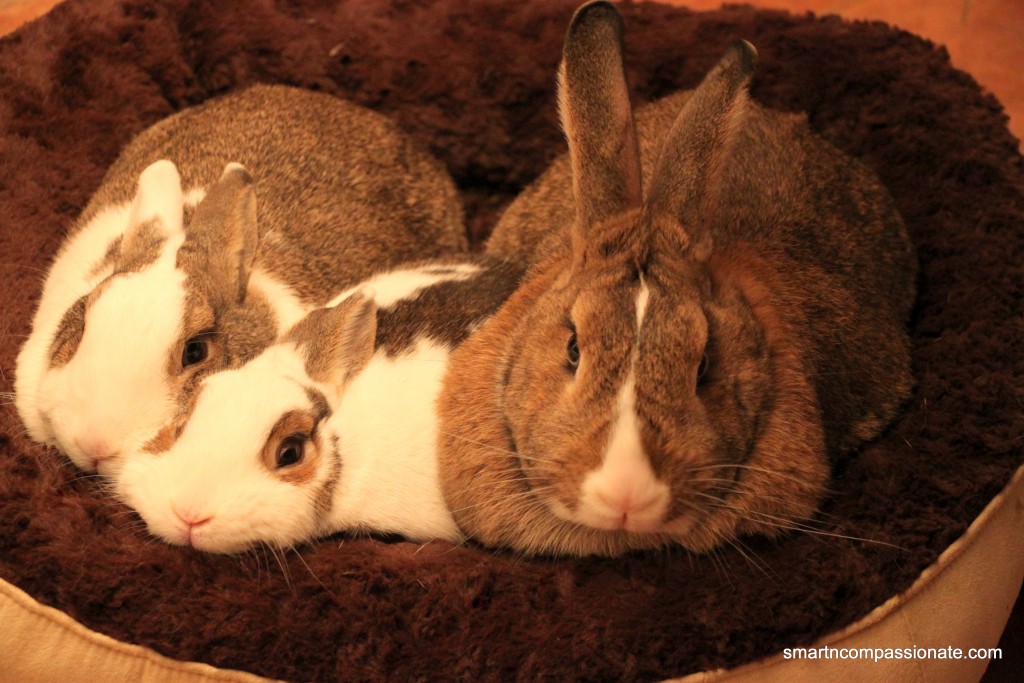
195	351
702	370
572	352
291	451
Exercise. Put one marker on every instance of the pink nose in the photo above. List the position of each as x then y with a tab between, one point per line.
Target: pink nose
635	509
192	520
96	448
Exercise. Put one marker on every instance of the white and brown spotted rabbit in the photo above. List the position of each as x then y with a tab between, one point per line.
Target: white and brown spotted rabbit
215	230
332	428
716	307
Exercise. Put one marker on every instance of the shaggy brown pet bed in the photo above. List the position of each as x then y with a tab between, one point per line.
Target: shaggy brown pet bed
474	81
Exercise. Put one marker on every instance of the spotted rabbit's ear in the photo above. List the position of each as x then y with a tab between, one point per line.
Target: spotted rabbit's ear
156	215
688	169
337	342
597	117
222	235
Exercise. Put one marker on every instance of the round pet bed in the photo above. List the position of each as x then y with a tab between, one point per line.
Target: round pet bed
87	594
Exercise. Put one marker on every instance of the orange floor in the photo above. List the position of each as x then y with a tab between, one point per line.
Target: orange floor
984	37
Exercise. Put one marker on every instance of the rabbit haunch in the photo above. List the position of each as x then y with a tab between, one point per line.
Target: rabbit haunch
333	428
718	311
165	277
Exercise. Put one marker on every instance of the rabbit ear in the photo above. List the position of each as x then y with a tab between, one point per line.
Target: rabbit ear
337	342
596	116
223	234
689	165
155	214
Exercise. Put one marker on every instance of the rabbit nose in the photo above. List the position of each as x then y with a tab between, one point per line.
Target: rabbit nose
639	508
192	521
96	448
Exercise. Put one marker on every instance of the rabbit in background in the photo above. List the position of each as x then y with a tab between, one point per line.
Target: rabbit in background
715	308
214	231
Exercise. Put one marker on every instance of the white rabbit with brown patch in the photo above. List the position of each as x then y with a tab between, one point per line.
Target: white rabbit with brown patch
333	428
215	230
716	307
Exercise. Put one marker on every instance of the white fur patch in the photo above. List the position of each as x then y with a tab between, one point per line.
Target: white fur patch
114	391
72	275
388	427
159	197
288	308
624	492
396	285
193	196
641	304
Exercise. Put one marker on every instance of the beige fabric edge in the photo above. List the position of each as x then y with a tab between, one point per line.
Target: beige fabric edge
985	565
39	644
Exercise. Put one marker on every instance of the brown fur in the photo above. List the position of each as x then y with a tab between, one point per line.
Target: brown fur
301	423
337	341
138	248
766	253
167	435
610	178
448	312
341	191
220	244
69	334
336	192
122	257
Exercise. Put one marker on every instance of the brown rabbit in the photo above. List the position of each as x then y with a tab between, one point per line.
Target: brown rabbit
685	355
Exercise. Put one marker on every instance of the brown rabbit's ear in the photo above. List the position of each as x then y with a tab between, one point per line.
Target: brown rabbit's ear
596	116
222	236
688	169
337	342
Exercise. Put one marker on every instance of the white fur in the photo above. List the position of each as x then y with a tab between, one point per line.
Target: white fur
76	272
385	421
213	472
624	492
158	196
387	424
194	196
287	306
114	393
70	277
392	286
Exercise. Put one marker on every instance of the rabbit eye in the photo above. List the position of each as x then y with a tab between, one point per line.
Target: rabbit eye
196	351
572	352
291	451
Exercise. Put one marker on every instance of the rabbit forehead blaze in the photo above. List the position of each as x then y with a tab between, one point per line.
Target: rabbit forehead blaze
565	387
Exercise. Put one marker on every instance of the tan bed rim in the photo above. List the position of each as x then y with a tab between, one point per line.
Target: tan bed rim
39	644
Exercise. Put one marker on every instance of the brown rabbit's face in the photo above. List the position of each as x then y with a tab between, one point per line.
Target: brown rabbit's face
635	393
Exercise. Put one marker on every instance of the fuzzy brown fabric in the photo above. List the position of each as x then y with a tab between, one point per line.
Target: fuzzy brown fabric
474	81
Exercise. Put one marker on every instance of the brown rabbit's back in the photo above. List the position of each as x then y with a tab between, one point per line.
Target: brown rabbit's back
369	197
819	220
